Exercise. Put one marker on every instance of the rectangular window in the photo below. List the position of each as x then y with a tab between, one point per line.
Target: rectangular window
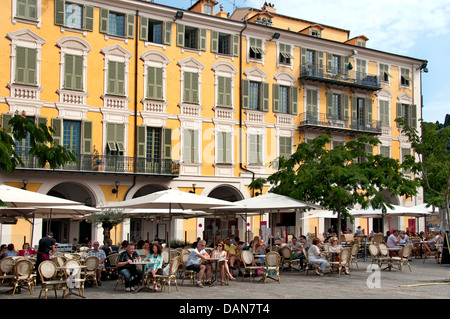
208	9
191	38
26	9
73	72
190	146
310	57
116	78
336	64
224	44
255	149
384	112
405	77
224	92
285	147
191	88
153	143
116	24
285	54
26	66
254	95
385	151
155	31
256	49
284	99
72	136
224	148
312	107
154	83
337	107
73	15
384	73
115	139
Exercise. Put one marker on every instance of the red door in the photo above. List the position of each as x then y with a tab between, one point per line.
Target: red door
412	225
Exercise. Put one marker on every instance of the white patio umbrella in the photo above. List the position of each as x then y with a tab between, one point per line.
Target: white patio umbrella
170	199
268	202
390	212
321	214
180	213
17	197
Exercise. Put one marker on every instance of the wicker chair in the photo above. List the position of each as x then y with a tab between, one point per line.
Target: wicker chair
309	265
378	238
80	281
344	260
50	278
272	265
7	270
354	255
24	275
90	272
110	264
384	255
374	253
163	279
247	260
404	258
286	257
186	273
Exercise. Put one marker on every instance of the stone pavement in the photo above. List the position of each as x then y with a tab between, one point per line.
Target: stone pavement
362	284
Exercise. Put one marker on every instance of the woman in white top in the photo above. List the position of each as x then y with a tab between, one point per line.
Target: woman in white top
223	263
314	256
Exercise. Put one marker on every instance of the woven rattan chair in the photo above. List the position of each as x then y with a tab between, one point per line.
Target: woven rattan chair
23	275
165	254
374	253
7	270
186	273
163	279
404	258
384	257
110	265
354	255
50	278
286	257
80	281
90	272
249	268
378	238
309	265
344	260
272	265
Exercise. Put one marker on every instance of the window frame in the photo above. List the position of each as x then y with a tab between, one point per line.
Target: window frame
24	19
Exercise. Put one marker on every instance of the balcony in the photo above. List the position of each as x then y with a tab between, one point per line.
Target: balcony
349	78
320	121
110	164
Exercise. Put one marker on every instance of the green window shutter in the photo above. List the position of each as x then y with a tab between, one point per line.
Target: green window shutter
329	62
368	104
191	88
384	112
221	91
255	149
187	87
276	97
168	33
413	116
143	28
141	139
203	39
87	137
26	65
5	122
224	148
399	112
104	20
78	74
187	146
354	111
329	105
195	147
344	107
385	151
68	70
236	45
227	94
320	62
26	9
59	12
130	25
345	62
167	143
214	41
58	134
89	18
266	101
116	77
294	100
73	72
111	136
180	35
303	56
155	83
245	94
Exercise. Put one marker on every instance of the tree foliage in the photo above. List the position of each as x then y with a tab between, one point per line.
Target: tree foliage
108	218
341	177
432	163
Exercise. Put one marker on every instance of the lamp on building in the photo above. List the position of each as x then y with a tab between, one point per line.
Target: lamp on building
178	15
424	67
193	189
116	190
349	66
25	182
354	52
276	35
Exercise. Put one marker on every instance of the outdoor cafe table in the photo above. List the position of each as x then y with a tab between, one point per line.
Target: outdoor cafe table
142	263
330	255
73	278
216	261
392	250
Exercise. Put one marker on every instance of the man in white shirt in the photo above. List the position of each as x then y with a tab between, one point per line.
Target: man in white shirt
194	263
393	239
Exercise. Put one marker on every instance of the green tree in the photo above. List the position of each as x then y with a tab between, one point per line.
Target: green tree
432	163
108	218
42	146
340	178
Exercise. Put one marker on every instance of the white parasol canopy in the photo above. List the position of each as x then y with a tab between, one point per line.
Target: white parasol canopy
16	197
321	214
185	214
390	212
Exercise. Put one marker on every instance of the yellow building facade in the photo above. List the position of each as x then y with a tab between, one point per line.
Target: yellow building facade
152	97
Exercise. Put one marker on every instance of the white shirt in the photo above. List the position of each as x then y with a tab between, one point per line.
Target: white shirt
193	259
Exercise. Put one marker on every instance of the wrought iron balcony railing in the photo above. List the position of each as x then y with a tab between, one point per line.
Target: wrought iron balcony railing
343	76
110	164
322	120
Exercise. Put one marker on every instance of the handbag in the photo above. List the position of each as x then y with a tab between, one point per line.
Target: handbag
166	270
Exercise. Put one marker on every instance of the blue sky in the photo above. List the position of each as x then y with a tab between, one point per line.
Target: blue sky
415	28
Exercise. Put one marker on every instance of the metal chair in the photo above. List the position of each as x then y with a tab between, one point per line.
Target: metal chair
272	265
163	279
23	275
50	278
286	257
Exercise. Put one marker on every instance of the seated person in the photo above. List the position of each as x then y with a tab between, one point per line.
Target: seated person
233	254
109	248
194	263
127	269
404	239
222	254
257	248
10	252
26	250
393	240
155	255
100	254
314	256
296	248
